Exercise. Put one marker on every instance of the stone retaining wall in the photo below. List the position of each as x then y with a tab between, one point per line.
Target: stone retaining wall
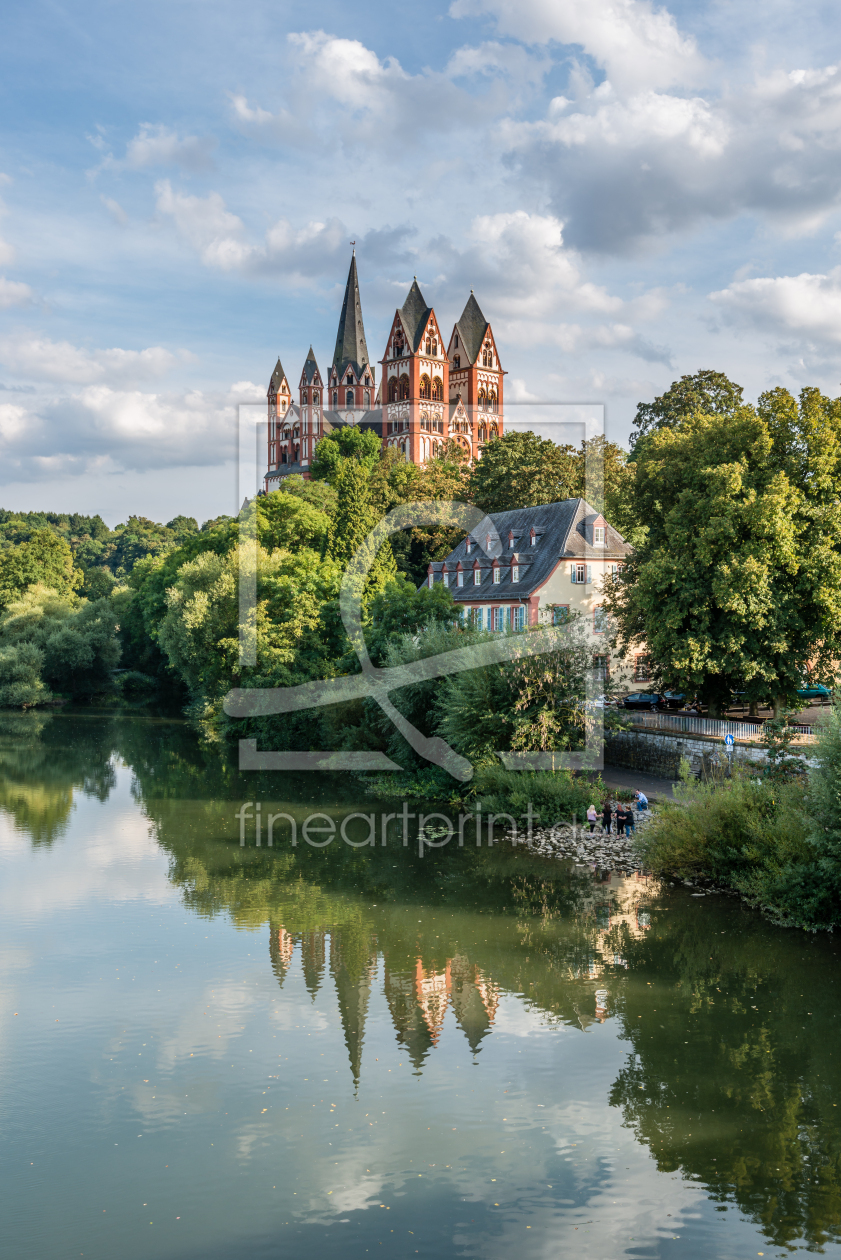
660	752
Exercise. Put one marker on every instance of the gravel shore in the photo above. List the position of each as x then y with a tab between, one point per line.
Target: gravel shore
577	843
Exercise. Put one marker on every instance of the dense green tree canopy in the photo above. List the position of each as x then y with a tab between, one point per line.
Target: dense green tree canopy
45	558
737	586
710	393
522	470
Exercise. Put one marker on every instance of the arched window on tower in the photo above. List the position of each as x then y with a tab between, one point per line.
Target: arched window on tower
483	433
404	388
397	345
437	389
425	387
367	399
392	390
483	401
492	400
315	398
349	398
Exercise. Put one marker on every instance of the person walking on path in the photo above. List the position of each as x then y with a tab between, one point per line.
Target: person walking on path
607	816
642	801
629	820
592	818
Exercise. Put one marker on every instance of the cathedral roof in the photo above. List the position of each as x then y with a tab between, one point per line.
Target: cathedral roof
278	377
310	367
415	314
350	339
472	328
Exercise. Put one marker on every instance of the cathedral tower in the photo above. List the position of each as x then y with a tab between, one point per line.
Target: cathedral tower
415	381
475	378
352	380
280	400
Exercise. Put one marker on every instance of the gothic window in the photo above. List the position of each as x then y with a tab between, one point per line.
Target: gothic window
349	380
425	386
367	398
404	388
392	390
397	349
483	433
492	400
437	389
456	359
494	431
315	398
483	402
335	398
349	399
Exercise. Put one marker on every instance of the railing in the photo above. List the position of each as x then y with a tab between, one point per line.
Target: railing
715	727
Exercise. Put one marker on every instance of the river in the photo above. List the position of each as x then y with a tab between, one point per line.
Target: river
521	1057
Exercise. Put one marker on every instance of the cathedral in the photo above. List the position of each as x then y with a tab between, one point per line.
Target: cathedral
428	394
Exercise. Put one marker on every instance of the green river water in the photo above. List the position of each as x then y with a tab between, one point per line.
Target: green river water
521	1057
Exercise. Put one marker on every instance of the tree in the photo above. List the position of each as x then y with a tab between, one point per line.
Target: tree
605	479
45	558
736	585
522	470
353	521
708	392
289	521
346	443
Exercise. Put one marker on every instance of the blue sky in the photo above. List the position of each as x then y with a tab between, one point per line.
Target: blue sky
633	192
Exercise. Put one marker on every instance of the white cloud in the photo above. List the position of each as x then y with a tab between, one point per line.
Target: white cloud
805	307
159	146
204	221
7	253
14	293
624	167
116	211
105	430
46	360
634	43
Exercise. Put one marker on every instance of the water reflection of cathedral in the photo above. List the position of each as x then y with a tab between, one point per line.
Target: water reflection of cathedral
419	993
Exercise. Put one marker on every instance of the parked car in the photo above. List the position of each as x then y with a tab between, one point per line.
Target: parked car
674	699
644	700
816	692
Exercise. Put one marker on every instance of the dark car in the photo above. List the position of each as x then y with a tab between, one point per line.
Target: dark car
675	699
644	700
814	691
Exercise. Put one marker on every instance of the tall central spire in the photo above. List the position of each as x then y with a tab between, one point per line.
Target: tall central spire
350	339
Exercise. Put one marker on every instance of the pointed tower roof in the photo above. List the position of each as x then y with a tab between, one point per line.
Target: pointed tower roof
415	313
278	377
472	328
350	339
310	368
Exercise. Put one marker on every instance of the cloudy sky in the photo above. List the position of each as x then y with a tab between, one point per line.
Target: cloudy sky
633	192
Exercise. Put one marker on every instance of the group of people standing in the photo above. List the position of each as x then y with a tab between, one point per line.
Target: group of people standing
622	814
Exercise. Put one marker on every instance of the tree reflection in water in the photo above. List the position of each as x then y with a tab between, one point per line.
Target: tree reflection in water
732	1073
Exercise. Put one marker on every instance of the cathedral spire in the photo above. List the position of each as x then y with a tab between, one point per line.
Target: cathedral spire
351	349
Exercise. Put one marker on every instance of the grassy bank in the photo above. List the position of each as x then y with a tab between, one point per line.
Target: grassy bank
775	839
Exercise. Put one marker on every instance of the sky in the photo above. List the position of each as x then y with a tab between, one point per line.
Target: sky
632	191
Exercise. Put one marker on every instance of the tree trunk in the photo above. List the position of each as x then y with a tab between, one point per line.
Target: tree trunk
752	711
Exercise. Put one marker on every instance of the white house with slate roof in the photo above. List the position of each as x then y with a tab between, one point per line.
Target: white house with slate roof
536	565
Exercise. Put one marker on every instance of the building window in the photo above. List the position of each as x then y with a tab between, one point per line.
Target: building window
483	402
532	538
431	579
598	536
477	577
437	390
468	544
600	620
367	399
425	386
511	542
315	398
349	399
445	577
335	398
404	388
515	573
497	619
497	575
579	572
459	578
601	667
642	669
518	617
560	614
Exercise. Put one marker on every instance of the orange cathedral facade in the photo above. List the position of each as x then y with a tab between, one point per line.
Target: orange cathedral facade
431	392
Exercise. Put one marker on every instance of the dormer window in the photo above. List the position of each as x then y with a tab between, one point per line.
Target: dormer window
469	545
515	573
477	577
459	578
497	574
532	538
598	535
510	542
445	577
431	580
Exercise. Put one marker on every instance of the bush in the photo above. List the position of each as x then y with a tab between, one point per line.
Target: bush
555	796
20	677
